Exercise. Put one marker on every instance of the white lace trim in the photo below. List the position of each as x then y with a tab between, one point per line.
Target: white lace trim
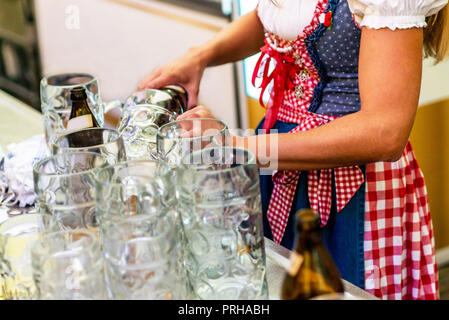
290	18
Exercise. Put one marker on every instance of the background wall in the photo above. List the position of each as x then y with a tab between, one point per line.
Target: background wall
430	140
121	41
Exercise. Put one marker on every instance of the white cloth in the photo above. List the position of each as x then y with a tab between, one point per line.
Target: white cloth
289	18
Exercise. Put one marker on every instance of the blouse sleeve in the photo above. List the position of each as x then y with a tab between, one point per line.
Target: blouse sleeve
394	14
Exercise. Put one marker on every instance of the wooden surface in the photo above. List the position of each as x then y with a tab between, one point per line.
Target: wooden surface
123	41
444	282
18	121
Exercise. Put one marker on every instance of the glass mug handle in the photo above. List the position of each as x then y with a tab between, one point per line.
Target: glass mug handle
114	117
6	271
108	106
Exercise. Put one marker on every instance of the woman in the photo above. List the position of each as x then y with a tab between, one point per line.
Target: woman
344	93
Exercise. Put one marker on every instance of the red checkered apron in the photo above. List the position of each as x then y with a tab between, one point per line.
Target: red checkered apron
398	241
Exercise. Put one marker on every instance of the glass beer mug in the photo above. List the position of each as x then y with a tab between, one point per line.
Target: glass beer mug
56	103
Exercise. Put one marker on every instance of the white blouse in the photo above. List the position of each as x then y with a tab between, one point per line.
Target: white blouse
290	17
287	20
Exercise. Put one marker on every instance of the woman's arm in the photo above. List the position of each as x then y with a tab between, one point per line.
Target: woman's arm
238	40
390	68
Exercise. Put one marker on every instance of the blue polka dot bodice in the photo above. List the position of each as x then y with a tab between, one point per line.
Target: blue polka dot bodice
335	54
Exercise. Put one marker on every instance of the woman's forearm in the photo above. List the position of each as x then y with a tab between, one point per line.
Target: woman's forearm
240	39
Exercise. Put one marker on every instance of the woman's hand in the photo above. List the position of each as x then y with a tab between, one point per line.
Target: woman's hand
185	71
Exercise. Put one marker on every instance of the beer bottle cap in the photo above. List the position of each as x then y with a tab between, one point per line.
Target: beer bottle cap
78	93
307	220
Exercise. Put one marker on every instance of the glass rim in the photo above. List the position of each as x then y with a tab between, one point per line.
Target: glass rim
94	243
65	175
65	135
172	123
251	160
120	220
92	80
123	164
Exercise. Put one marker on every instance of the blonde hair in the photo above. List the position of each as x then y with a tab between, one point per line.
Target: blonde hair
436	35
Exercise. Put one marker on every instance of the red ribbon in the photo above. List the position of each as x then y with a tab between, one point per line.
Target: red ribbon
285	71
347	181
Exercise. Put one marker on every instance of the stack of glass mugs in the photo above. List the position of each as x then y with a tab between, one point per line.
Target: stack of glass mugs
155	209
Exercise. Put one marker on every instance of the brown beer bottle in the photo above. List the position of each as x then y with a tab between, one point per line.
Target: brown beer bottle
81	117
311	272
